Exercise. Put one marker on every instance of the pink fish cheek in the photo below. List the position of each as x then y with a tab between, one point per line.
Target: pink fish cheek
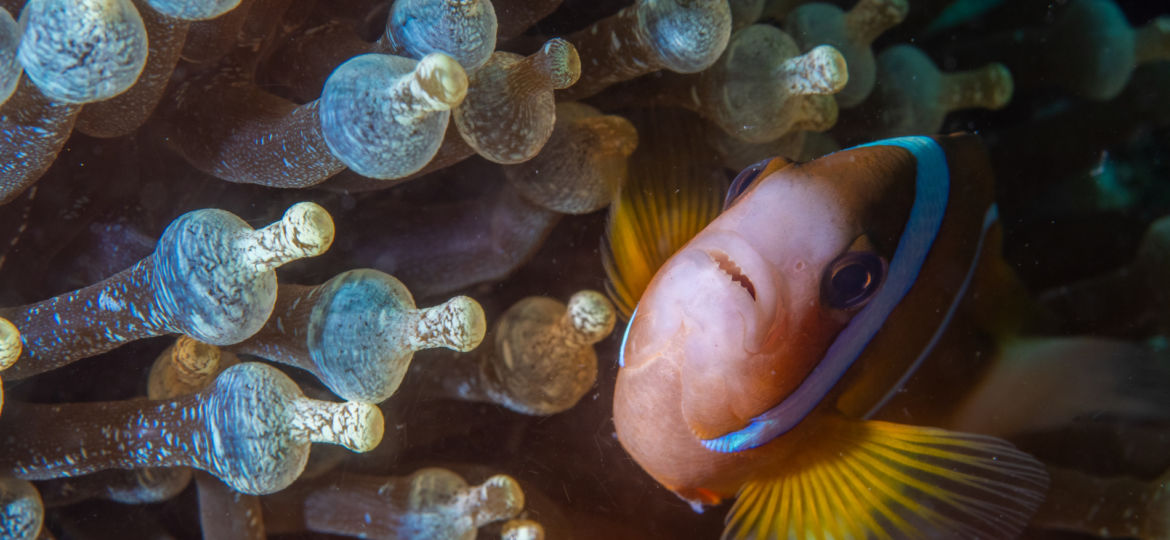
660	326
711	373
656	337
724	385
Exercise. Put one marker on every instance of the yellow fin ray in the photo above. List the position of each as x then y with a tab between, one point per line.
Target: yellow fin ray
835	524
858	497
870	479
674	189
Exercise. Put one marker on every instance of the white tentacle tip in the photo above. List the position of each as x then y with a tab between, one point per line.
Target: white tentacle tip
360	426
10	344
522	529
591	314
563	62
468	325
500	498
820	71
442	79
310	228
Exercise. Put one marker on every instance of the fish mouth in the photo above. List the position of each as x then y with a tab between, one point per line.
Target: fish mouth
732	256
727	266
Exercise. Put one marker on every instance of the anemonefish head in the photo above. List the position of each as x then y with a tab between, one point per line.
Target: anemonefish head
750	326
748	307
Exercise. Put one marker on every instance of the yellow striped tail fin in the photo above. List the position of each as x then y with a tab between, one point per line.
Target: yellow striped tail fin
870	479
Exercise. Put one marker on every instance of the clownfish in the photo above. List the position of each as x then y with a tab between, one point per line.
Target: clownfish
793	353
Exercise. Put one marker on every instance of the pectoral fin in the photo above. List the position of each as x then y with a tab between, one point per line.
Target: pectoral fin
870	479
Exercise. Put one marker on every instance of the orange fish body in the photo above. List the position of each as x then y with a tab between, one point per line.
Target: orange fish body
761	352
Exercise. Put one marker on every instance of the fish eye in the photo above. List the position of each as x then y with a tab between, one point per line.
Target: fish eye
743	181
852	279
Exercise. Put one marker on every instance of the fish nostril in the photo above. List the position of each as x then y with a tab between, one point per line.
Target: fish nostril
732	270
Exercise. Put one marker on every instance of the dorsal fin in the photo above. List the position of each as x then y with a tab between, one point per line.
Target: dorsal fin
675	188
